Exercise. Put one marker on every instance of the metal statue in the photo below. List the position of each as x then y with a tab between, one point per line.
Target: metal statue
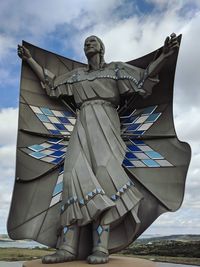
98	159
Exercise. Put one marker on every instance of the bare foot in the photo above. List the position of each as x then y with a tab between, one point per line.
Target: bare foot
98	257
61	255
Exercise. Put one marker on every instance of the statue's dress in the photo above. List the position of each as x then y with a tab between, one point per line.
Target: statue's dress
95	182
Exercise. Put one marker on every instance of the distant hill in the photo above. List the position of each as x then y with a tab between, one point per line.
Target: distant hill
168	246
182	238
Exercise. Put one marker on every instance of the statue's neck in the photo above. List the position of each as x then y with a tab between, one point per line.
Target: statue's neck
94	62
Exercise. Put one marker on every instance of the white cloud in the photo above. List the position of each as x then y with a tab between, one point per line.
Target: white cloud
8	122
8	134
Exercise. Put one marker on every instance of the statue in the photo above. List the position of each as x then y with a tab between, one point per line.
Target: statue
98	159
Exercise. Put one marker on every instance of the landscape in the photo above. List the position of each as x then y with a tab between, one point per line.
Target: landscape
183	249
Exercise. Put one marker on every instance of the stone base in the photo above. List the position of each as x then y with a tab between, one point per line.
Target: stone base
114	261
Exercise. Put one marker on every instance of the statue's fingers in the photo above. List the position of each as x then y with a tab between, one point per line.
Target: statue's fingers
175	46
166	41
174	43
19	50
173	35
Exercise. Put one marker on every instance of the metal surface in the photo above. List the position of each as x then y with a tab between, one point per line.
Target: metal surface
127	165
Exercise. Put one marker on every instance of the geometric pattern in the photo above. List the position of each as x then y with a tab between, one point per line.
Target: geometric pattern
93	193
52	151
100	230
66	232
139	154
55	121
139	121
82	201
122	190
57	193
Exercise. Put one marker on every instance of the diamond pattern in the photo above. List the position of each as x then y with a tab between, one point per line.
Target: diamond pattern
139	121
55	121
57	192
139	154
122	190
99	230
52	151
83	201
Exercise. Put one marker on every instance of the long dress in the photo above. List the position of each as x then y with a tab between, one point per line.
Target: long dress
95	183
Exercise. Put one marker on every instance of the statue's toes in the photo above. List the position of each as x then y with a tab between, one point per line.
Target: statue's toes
94	259
49	259
58	257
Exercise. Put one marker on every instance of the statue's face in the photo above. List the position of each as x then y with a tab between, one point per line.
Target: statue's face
92	46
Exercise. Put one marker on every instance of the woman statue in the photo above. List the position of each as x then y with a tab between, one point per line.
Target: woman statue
96	149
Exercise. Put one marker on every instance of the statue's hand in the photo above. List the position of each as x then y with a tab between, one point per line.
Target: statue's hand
23	52
170	45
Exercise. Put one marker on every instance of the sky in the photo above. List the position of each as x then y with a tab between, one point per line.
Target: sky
129	29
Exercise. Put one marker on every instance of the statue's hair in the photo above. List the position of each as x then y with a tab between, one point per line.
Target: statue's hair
102	51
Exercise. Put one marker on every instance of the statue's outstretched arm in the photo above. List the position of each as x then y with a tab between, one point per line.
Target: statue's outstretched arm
25	55
170	45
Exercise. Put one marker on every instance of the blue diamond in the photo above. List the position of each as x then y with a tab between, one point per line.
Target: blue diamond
153	117
47	111
99	190
43	117
36	148
151	163
130	156
99	230
56	147
81	201
127	163
58	154
113	197
68	114
61	169
133	148
154	155
148	110
90	194
37	155
64	120
60	126
121	190
63	208
58	188
65	229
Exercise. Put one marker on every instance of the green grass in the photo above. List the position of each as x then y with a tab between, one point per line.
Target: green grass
21	254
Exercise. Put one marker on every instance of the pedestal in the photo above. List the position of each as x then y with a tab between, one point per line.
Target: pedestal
114	261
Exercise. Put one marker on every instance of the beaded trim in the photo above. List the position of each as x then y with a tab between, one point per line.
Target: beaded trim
90	195
84	200
122	190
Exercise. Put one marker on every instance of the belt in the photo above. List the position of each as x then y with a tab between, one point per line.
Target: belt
96	102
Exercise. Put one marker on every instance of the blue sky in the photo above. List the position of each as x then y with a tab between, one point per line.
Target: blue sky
129	30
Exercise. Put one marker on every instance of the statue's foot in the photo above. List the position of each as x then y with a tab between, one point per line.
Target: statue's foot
61	255
97	257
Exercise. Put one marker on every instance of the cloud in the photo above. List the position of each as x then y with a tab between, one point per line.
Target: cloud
8	122
8	134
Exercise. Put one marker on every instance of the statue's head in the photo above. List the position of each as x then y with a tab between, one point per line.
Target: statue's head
93	45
